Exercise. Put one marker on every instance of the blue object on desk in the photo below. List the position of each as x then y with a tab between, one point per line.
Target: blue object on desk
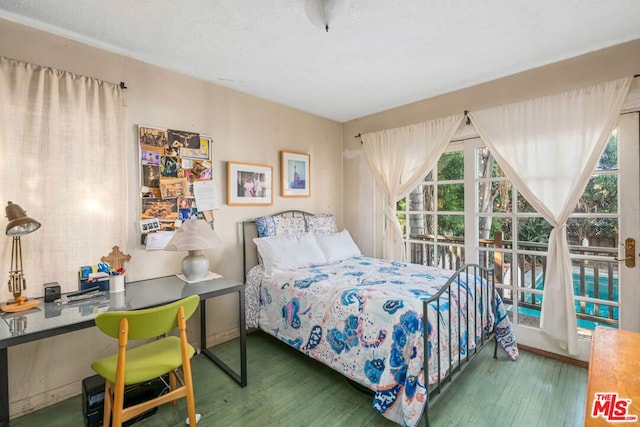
104	267
86	271
102	282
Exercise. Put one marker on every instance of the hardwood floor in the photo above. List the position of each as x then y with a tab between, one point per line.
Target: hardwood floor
287	388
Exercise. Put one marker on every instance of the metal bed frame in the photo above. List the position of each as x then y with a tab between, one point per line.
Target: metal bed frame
485	278
482	276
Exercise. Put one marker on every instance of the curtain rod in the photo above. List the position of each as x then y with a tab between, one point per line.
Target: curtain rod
466	112
123	85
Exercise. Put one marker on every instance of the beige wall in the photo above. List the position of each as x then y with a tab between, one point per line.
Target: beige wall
360	196
244	128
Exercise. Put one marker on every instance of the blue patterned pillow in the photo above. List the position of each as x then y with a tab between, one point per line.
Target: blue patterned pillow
321	224
266	226
269	226
289	226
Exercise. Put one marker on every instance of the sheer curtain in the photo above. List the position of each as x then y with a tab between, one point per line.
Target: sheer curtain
632	101
400	158
548	148
62	158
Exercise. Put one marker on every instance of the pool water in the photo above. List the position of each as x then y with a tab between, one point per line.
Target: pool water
589	307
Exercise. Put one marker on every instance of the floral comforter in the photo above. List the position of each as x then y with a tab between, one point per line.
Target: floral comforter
363	318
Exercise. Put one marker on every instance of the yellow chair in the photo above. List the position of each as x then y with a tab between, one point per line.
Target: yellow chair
147	361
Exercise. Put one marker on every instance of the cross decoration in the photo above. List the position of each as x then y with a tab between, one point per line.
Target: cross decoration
116	258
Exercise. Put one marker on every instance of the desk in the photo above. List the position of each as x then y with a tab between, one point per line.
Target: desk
49	319
614	367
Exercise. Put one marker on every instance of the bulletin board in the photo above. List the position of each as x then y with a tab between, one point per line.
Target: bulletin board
176	178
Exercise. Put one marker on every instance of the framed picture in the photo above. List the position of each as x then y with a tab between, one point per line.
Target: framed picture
296	176
249	184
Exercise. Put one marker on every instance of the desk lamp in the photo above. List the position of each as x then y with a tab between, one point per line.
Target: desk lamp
19	225
194	236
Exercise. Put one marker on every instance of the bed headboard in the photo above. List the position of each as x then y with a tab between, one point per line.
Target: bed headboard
250	231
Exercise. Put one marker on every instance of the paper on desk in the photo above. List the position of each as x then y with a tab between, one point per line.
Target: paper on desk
206	195
209	276
158	240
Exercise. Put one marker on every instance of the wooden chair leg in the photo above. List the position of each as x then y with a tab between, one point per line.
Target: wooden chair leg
108	403
186	368
118	394
118	405
173	384
191	400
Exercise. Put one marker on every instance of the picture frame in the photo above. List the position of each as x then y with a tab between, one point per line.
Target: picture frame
296	174
249	184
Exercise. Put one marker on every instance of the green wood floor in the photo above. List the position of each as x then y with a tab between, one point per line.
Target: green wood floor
287	388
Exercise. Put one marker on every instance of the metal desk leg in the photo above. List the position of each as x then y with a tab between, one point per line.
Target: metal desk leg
4	388
243	339
242	378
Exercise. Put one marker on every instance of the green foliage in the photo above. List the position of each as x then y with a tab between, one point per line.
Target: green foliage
534	230
401	207
600	196
452	223
451	166
609	158
451	197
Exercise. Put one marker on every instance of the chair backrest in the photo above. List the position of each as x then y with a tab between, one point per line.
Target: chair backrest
148	322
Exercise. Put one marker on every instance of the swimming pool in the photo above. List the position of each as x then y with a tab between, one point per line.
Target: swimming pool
589	307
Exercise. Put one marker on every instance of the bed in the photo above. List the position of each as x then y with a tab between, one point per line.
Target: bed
309	286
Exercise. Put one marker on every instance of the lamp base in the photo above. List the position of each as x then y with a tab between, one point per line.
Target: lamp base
195	266
14	306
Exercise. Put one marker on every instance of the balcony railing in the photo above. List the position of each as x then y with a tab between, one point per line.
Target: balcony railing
595	273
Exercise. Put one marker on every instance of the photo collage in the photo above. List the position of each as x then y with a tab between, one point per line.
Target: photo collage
170	162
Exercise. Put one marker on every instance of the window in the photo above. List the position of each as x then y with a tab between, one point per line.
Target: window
446	224
432	216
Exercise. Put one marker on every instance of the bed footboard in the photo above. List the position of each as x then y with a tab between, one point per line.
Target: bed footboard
483	311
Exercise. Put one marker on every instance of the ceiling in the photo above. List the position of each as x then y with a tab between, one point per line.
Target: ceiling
378	55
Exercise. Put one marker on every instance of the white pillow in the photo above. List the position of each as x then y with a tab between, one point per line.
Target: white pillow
284	253
338	246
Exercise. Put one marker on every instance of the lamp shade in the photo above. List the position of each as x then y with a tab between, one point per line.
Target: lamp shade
194	235
19	223
321	13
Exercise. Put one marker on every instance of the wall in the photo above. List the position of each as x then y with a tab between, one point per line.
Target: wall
244	128
360	195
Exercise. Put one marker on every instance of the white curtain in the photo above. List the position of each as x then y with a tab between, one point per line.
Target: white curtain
62	159
632	101
400	158
548	148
